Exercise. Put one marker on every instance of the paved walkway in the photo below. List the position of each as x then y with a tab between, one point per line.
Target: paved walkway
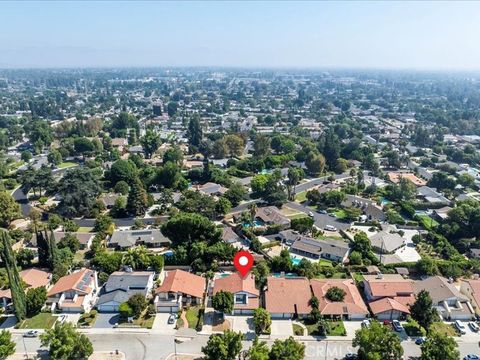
183	316
305	331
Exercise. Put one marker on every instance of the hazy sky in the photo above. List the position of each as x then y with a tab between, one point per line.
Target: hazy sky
422	35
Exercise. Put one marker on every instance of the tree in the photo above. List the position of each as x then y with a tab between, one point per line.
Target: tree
223	301
65	343
125	310
234	144
194	131
26	156
123	170
223	206
259	184
54	157
226	346
121	187
102	224
352	213
137	202
9	209
7	345
261	145
439	346
150	143
35	300
315	163
294	177
258	351
236	193
25	257
172	107
422	310
69	241
262	321
137	258
174	155
427	266
287	349
302	224
78	189
377	342
83	146
335	294
137	303
16	288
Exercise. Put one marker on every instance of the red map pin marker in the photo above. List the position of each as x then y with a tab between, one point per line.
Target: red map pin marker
243	262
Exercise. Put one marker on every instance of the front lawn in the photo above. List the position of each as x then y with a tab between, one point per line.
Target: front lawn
336	328
87	319
40	321
301	197
145	320
192	314
66	164
443	328
340	214
297	330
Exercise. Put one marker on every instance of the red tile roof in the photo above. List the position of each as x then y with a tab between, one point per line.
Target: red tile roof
387	304
179	281
351	304
81	282
234	283
35	278
288	295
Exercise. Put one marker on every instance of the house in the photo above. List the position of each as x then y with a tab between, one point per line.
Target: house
75	292
333	250
136	150
449	302
179	288
442	213
245	295
33	278
84	238
119	143
124	239
351	307
471	289
210	188
288	297
109	200
431	196
271	215
121	285
230	236
386	243
395	177
388	295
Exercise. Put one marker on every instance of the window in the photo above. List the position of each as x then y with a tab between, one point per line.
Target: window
240	299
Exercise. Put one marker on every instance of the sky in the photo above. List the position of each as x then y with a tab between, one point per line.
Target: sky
393	35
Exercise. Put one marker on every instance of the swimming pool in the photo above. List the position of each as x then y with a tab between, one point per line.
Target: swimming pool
295	261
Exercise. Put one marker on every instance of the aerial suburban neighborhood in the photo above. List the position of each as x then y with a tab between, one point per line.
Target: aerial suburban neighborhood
127	193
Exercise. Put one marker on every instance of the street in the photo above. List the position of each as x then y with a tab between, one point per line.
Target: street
153	346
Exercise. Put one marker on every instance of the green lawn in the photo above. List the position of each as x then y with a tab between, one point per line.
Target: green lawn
297	329
144	321
444	328
358	277
40	321
297	216
323	262
85	229
192	316
336	328
301	196
87	319
66	164
340	214
427	222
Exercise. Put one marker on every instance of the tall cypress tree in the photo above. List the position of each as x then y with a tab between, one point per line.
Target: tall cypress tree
52	251
42	248
137	201
16	288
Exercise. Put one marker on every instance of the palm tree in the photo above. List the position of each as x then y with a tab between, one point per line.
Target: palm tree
136	257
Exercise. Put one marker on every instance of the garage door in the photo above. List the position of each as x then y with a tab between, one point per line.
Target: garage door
167	309
108	308
281	316
243	312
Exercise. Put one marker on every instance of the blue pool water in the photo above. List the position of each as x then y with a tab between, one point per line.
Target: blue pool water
255	224
295	261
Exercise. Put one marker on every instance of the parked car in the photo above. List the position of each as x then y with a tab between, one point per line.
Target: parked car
397	326
322	211
471	357
365	323
31	334
420	341
473	326
460	327
387	322
351	356
172	318
330	228
311	214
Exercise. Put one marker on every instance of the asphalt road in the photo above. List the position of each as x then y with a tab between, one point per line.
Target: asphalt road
321	220
151	346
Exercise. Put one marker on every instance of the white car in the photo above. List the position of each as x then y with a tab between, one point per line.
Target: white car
397	326
31	334
460	327
473	326
365	323
471	357
311	214
330	228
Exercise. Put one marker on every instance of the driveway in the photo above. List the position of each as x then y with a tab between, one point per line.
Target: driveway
161	323
106	320
321	220
243	324
282	328
351	327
